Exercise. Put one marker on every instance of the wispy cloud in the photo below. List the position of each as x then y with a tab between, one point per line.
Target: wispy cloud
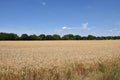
43	3
84	27
66	28
116	30
117	23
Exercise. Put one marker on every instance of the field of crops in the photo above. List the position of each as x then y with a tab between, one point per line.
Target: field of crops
58	60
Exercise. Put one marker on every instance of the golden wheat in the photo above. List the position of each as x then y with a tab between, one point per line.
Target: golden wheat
38	57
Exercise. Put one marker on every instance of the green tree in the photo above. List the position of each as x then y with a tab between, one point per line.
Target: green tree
3	36
33	37
91	37
42	37
68	37
109	37
8	36
56	37
24	37
49	37
77	37
13	36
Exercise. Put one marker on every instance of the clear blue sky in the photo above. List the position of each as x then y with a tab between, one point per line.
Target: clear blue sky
83	17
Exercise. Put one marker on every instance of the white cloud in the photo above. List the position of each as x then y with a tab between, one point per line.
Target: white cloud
43	3
85	26
116	30
65	28
117	23
110	30
58	31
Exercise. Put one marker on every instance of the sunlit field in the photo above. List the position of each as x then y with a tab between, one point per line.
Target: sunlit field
60	60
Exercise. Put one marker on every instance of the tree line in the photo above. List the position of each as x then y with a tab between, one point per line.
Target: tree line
13	36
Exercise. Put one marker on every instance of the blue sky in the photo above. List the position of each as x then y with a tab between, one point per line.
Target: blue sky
83	17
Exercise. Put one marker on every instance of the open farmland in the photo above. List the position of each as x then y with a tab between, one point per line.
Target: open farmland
16	55
41	53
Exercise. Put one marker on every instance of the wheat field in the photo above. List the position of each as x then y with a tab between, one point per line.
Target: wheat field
32	56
